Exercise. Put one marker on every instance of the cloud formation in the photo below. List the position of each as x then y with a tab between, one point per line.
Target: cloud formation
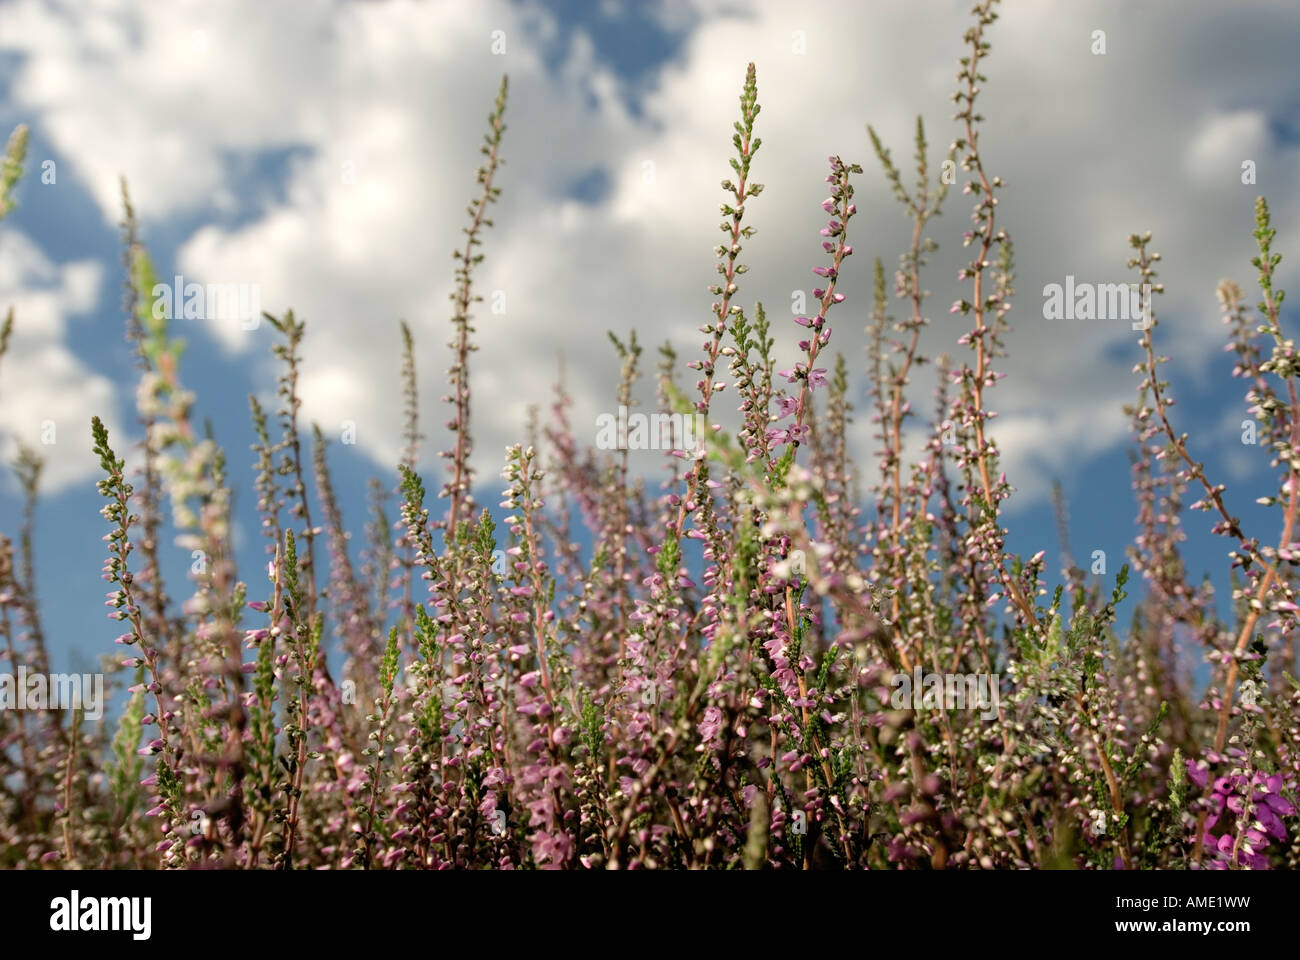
379	109
47	394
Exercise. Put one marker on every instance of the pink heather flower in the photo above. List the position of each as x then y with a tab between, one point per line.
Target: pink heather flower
709	727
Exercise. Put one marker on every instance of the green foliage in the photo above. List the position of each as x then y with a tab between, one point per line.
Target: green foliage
124	770
11	168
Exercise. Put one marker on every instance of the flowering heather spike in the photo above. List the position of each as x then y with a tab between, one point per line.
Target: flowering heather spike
149	495
411	395
892	408
458	487
358	634
126	607
290	446
11	168
303	640
384	704
378	560
269	501
28	467
410	458
6	329
805	373
979	457
746	146
202	679
124	773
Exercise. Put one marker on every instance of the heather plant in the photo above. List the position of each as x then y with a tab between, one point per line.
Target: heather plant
763	656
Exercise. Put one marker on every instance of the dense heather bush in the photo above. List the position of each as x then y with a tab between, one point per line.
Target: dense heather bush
707	676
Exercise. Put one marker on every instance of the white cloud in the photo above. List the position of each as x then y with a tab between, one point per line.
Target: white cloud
1092	148
1224	142
47	395
159	92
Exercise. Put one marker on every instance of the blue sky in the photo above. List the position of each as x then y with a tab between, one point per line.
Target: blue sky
235	124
